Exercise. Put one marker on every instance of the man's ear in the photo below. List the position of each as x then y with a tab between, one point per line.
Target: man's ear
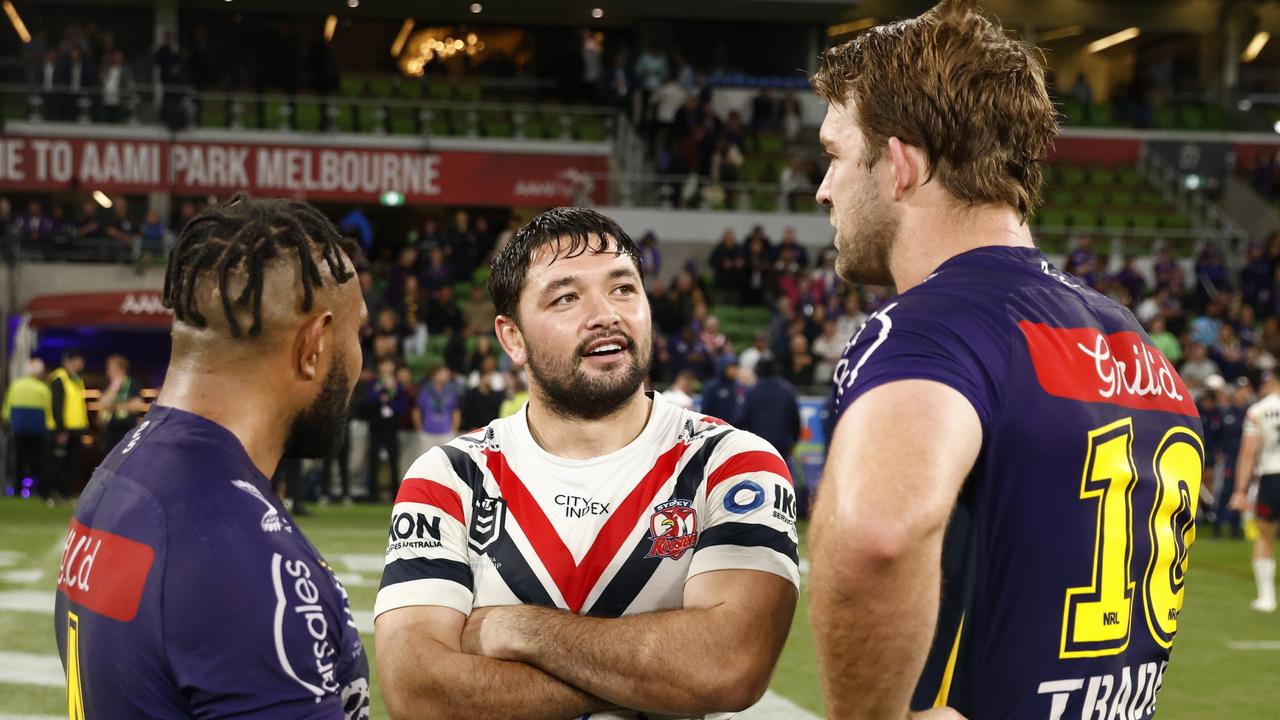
909	167
310	344
511	338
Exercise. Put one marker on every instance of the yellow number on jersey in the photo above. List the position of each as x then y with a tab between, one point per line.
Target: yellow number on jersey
1178	465
75	695
1096	617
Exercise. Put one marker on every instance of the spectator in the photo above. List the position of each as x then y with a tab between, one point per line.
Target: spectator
73	76
1205	328
1130	279
438	271
70	423
155	237
758	350
1211	271
483	351
121	227
650	71
121	403
666	102
799	367
1255	277
517	394
764	111
681	391
35	60
650	256
1081	92
455	350
117	88
792	117
413	319
389	331
356	225
483	400
406	264
758	278
28	411
172	77
828	348
771	410
851	319
443	314
390	403
35	227
711	338
479	313
1197	368
1166	341
722	395
1227	448
437	414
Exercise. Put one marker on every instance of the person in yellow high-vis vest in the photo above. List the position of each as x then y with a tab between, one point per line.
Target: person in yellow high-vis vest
28	411
70	420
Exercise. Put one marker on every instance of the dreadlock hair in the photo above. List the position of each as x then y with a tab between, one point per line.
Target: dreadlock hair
246	234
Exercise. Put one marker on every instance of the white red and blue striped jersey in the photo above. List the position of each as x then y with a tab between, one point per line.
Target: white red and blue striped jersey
491	518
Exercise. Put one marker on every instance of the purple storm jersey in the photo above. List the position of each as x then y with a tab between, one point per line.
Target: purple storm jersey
1064	562
187	591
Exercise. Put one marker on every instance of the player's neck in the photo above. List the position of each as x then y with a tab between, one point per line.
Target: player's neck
225	399
929	238
578	439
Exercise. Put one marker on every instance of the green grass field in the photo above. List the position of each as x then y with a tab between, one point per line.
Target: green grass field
1211	674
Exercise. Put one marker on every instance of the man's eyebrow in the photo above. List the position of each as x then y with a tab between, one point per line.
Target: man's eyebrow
622	272
559	284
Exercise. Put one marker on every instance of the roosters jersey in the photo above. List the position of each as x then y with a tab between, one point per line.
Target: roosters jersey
1263	421
493	519
187	591
1065	560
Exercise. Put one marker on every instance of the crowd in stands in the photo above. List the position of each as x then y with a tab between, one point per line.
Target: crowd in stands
57	230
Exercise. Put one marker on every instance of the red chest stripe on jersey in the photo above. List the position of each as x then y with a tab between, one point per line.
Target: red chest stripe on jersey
576	581
748	462
712	420
1118	369
430	492
104	572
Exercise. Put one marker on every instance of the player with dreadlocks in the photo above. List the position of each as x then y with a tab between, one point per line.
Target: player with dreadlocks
185	588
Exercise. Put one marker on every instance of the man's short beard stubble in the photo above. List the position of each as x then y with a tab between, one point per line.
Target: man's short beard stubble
572	393
318	431
865	238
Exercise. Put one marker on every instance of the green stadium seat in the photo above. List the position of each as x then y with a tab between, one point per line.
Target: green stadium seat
589	128
1052	217
372	118
1115	220
497	124
403	120
1175	221
439	90
438	123
469	91
306	116
1129	177
1100	116
532	126
764	201
1083	218
275	112
352	86
1052	244
1120	199
1145	220
1072	176
1191	117
381	86
213	113
1166	118
1148	199
249	113
1093	198
411	89
1073	113
1216	118
1101	177
342	117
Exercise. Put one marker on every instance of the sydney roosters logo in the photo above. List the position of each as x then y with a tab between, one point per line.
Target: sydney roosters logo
673	528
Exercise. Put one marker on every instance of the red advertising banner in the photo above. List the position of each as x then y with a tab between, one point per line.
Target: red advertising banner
303	171
136	309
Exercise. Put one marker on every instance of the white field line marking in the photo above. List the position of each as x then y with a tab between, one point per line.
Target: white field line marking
775	707
29	669
33	601
22	577
10	557
364	621
363	563
6	716
1253	644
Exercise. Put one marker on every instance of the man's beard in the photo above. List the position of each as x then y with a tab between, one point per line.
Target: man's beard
570	392
318	431
866	236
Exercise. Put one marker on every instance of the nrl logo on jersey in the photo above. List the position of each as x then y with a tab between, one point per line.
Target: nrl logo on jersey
488	441
271	520
488	514
673	527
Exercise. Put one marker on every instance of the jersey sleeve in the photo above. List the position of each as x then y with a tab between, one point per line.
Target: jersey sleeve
427	559
922	338
255	631
1253	421
749	521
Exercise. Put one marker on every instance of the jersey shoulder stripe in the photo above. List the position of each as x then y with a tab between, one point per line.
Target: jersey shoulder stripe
430	492
421	568
750	535
751	461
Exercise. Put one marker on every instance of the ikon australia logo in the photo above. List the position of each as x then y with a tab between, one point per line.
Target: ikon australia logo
413	530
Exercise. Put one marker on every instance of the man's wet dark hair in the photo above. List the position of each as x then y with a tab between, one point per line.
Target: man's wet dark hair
244	236
580	231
